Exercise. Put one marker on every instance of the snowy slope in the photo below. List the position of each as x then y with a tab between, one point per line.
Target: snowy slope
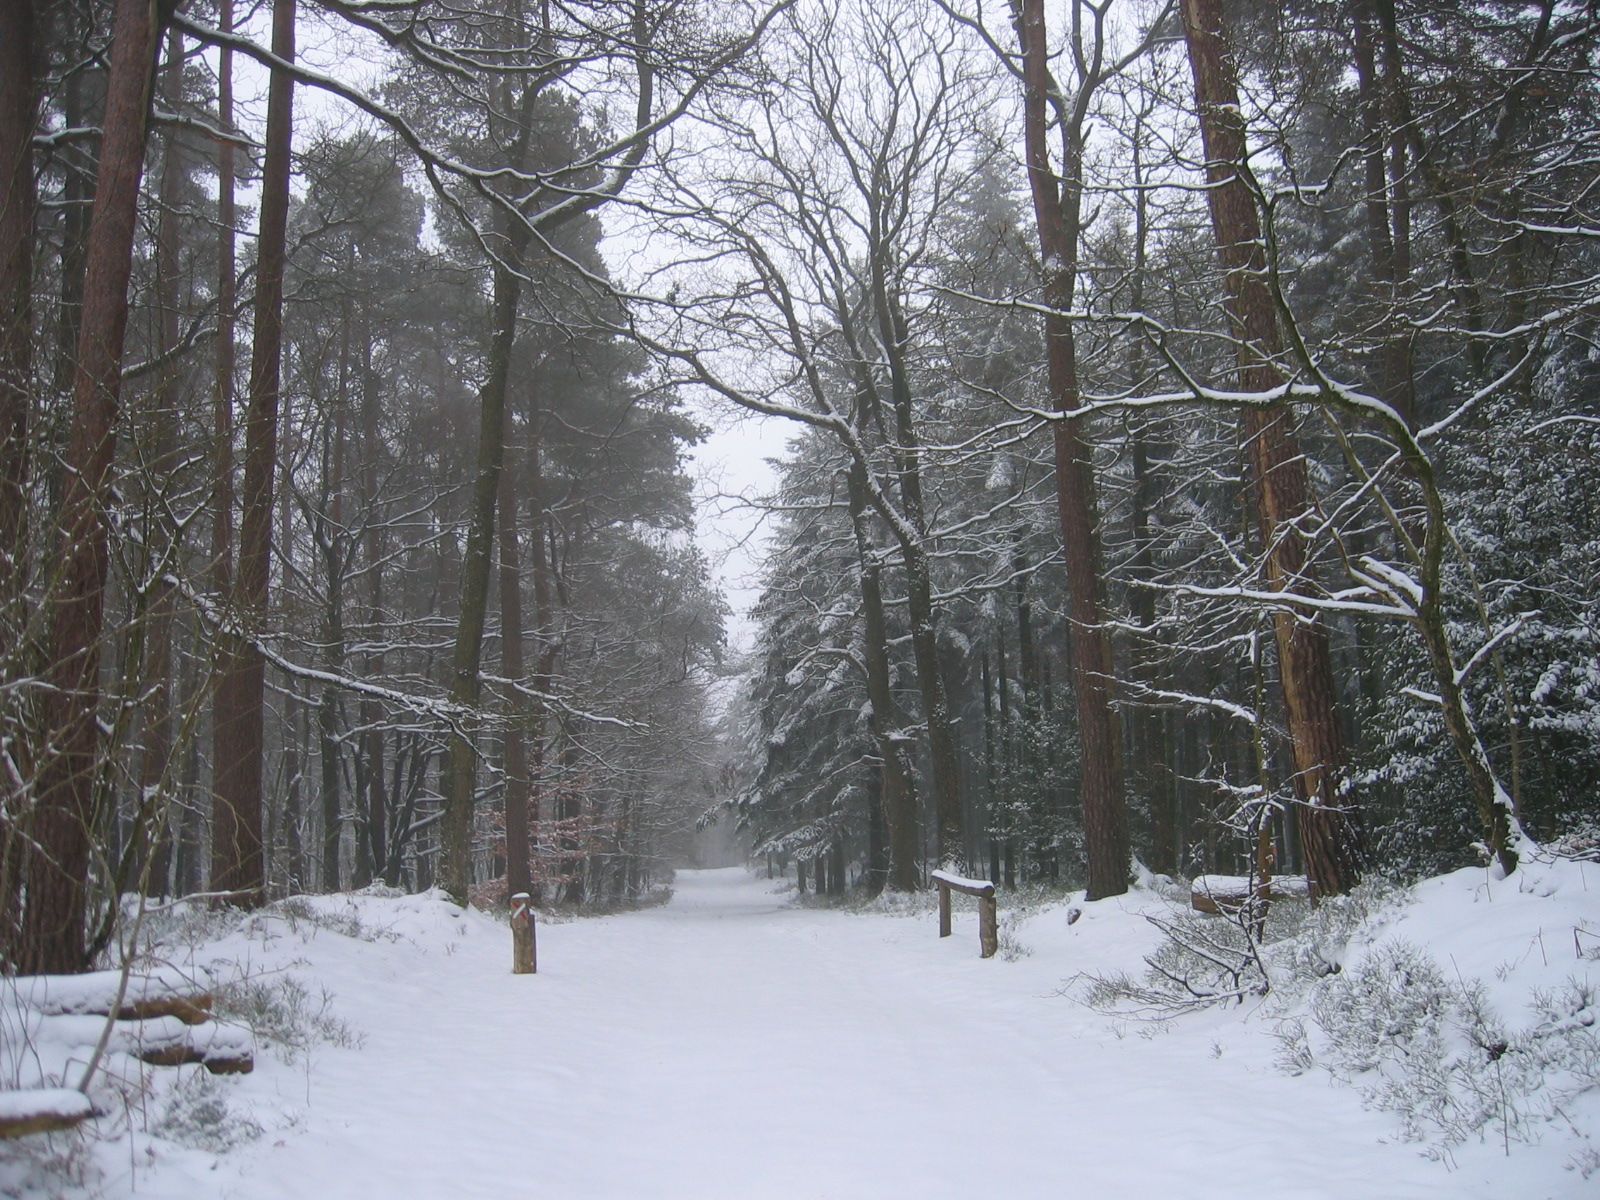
731	1044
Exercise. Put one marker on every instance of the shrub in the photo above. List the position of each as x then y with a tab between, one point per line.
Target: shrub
282	1013
198	1115
1433	1051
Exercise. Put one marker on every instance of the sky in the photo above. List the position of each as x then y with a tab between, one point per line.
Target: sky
732	471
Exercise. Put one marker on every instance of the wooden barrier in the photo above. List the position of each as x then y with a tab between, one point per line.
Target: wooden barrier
524	944
988	914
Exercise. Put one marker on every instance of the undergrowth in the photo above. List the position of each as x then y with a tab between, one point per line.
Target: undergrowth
1431	1049
1412	1039
284	1014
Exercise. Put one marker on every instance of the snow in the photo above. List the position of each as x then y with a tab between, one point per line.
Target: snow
734	1044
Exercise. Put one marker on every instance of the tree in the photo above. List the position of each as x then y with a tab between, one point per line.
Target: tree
1058	206
1329	819
52	936
19	104
238	867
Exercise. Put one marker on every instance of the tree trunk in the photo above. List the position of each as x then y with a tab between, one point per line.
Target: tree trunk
329	716
19	114
944	757
376	800
990	778
82	105
295	730
237	865
1057	208
898	795
1395	351
222	408
461	770
518	865
548	640
1007	760
1329	821
156	707
52	938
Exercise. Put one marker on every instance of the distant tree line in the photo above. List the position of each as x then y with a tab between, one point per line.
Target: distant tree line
278	393
1194	412
1213	386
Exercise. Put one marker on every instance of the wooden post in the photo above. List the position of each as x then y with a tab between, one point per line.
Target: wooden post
524	946
988	926
944	908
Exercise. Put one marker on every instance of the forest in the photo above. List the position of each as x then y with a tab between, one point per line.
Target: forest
1188	410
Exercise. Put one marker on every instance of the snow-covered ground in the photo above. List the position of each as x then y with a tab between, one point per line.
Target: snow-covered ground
733	1044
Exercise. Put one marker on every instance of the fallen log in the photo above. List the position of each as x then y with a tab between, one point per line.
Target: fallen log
1224	895
165	992
160	1041
42	1110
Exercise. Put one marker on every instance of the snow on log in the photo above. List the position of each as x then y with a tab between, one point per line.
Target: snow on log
1223	894
161	1041
165	992
42	1110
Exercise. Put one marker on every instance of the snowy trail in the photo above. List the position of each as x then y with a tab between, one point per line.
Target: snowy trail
731	1045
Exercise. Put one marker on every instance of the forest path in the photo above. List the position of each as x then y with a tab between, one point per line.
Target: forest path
731	1044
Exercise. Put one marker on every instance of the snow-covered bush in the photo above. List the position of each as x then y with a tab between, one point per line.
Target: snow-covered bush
1012	947
326	913
198	1115
1206	960
1201	961
1431	1049
283	1014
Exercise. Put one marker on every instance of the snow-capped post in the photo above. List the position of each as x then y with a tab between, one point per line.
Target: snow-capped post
988	909
524	949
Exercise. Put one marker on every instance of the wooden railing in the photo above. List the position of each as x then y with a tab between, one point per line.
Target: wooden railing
988	914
